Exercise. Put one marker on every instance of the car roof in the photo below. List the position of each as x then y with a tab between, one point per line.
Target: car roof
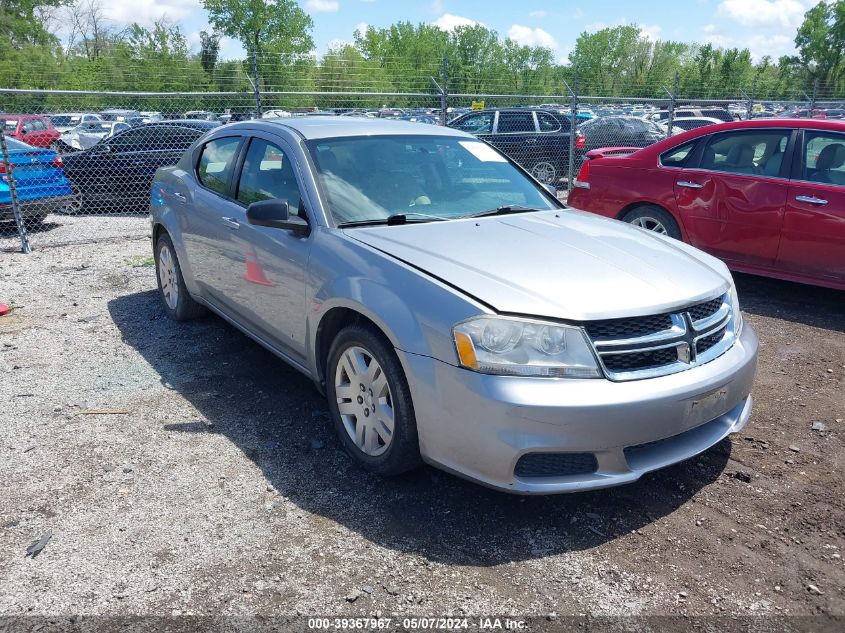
835	125
334	126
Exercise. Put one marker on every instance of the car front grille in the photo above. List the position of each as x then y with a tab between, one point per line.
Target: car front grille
633	361
627	328
704	310
555	464
666	343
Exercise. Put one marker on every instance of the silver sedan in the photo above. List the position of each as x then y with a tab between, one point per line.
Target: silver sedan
450	308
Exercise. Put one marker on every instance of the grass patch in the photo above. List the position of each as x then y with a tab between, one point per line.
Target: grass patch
138	261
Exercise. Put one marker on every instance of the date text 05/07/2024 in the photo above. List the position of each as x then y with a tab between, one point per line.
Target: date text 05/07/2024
417	623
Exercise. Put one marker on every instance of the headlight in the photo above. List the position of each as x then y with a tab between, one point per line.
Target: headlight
522	347
736	314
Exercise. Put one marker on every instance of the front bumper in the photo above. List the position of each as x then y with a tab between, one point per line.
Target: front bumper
478	426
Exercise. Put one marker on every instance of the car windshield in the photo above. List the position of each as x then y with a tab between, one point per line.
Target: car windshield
373	178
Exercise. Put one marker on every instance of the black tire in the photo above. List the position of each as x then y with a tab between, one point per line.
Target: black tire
183	307
402	453
647	215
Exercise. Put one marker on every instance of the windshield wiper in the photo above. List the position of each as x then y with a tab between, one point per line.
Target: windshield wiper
503	210
392	220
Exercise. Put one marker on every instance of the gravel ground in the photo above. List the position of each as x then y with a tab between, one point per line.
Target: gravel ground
184	470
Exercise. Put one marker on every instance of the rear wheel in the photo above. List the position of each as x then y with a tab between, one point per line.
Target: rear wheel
178	304
371	403
653	218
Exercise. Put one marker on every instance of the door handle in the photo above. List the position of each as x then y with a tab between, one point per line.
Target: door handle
811	200
689	185
232	223
181	197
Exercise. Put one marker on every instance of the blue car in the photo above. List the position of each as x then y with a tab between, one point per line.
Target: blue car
40	182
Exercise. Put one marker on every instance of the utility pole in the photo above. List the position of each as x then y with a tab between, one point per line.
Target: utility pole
671	108
443	89
749	109
573	123
255	88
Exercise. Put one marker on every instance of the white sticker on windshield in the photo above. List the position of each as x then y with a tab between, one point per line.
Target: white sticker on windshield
483	152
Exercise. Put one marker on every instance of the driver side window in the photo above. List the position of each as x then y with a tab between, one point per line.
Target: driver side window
481	123
268	174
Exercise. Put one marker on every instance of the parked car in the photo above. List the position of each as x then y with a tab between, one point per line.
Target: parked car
117	114
200	115
151	116
766	196
420	118
805	113
275	114
717	113
67	121
624	131
536	139
88	134
119	169
32	129
685	124
40	183
448	305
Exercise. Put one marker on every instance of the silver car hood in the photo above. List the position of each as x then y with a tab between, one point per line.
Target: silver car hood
559	264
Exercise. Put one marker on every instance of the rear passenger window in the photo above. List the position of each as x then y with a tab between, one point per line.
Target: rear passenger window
678	156
824	158
216	163
514	122
548	123
752	153
267	174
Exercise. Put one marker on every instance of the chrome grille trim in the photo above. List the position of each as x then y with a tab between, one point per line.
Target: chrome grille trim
684	335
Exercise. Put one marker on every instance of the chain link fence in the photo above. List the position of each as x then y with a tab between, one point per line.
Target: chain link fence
77	165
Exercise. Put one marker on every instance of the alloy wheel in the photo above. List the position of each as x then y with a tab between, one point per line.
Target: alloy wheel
167	277
544	172
364	401
650	224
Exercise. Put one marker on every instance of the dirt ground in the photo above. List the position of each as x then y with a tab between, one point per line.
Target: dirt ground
182	469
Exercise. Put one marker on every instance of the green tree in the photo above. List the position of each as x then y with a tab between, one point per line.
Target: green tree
209	50
262	25
821	45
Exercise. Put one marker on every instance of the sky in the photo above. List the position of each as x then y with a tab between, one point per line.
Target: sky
766	27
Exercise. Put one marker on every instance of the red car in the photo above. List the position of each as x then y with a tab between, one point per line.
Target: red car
767	196
32	129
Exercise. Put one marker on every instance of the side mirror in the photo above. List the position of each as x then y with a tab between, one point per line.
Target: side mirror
275	214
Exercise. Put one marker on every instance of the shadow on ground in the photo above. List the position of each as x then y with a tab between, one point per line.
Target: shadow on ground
279	421
797	303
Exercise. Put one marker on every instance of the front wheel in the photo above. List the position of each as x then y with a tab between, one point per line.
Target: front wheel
178	304
653	218
544	171
370	402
